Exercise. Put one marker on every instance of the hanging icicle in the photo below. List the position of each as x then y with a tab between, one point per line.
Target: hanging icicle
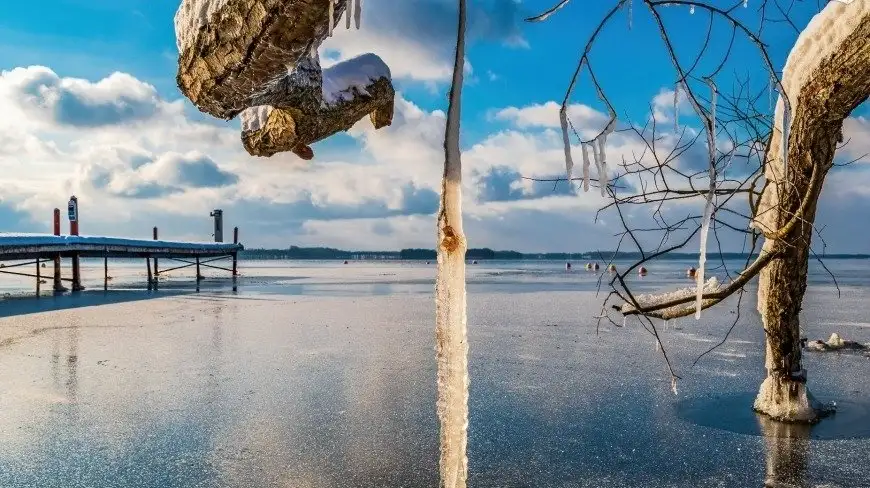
692	9
745	3
347	12
585	148
629	14
770	83
786	129
357	12
602	163
677	108
708	207
566	141
331	16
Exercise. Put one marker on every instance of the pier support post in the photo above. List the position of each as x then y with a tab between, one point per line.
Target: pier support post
38	278
106	273
150	279
73	208
58	283
235	253
77	274
156	270
198	276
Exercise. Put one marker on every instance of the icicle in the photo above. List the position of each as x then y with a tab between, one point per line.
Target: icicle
745	3
629	14
770	92
708	207
357	13
596	158
602	164
347	13
786	128
566	141
692	9
331	16
585	165
676	108
674	384
624	320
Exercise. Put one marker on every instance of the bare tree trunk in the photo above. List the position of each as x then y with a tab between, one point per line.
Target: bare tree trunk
826	81
451	342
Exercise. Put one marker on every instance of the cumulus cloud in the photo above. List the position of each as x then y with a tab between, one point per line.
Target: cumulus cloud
546	115
117	99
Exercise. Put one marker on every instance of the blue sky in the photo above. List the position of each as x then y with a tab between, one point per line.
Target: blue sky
102	117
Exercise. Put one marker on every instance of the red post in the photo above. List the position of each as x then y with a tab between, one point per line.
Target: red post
58	283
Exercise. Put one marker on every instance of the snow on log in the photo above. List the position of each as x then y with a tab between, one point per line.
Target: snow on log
711	286
243	55
349	91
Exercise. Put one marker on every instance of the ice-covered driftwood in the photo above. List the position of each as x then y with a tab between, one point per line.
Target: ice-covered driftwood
649	301
259	58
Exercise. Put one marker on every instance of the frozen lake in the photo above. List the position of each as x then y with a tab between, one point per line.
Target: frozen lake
323	374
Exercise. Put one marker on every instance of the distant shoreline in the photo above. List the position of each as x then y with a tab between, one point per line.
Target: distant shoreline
327	254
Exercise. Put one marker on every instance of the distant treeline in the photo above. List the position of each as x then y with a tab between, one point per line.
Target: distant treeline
295	252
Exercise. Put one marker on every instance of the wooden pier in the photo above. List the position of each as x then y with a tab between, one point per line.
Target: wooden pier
36	249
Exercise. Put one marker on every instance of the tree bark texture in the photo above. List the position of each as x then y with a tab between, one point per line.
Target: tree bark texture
786	212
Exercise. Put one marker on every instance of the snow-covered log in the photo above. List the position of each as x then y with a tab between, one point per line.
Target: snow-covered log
650	300
244	54
350	90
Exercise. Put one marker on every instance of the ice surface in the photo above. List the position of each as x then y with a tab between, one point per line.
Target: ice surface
344	80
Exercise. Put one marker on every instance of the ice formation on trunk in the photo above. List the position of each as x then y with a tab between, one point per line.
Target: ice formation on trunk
451	343
708	206
711	286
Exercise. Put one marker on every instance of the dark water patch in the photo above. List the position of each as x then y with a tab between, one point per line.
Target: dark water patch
733	413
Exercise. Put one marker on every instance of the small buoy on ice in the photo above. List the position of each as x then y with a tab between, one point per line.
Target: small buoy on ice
568	266
345	262
595	266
